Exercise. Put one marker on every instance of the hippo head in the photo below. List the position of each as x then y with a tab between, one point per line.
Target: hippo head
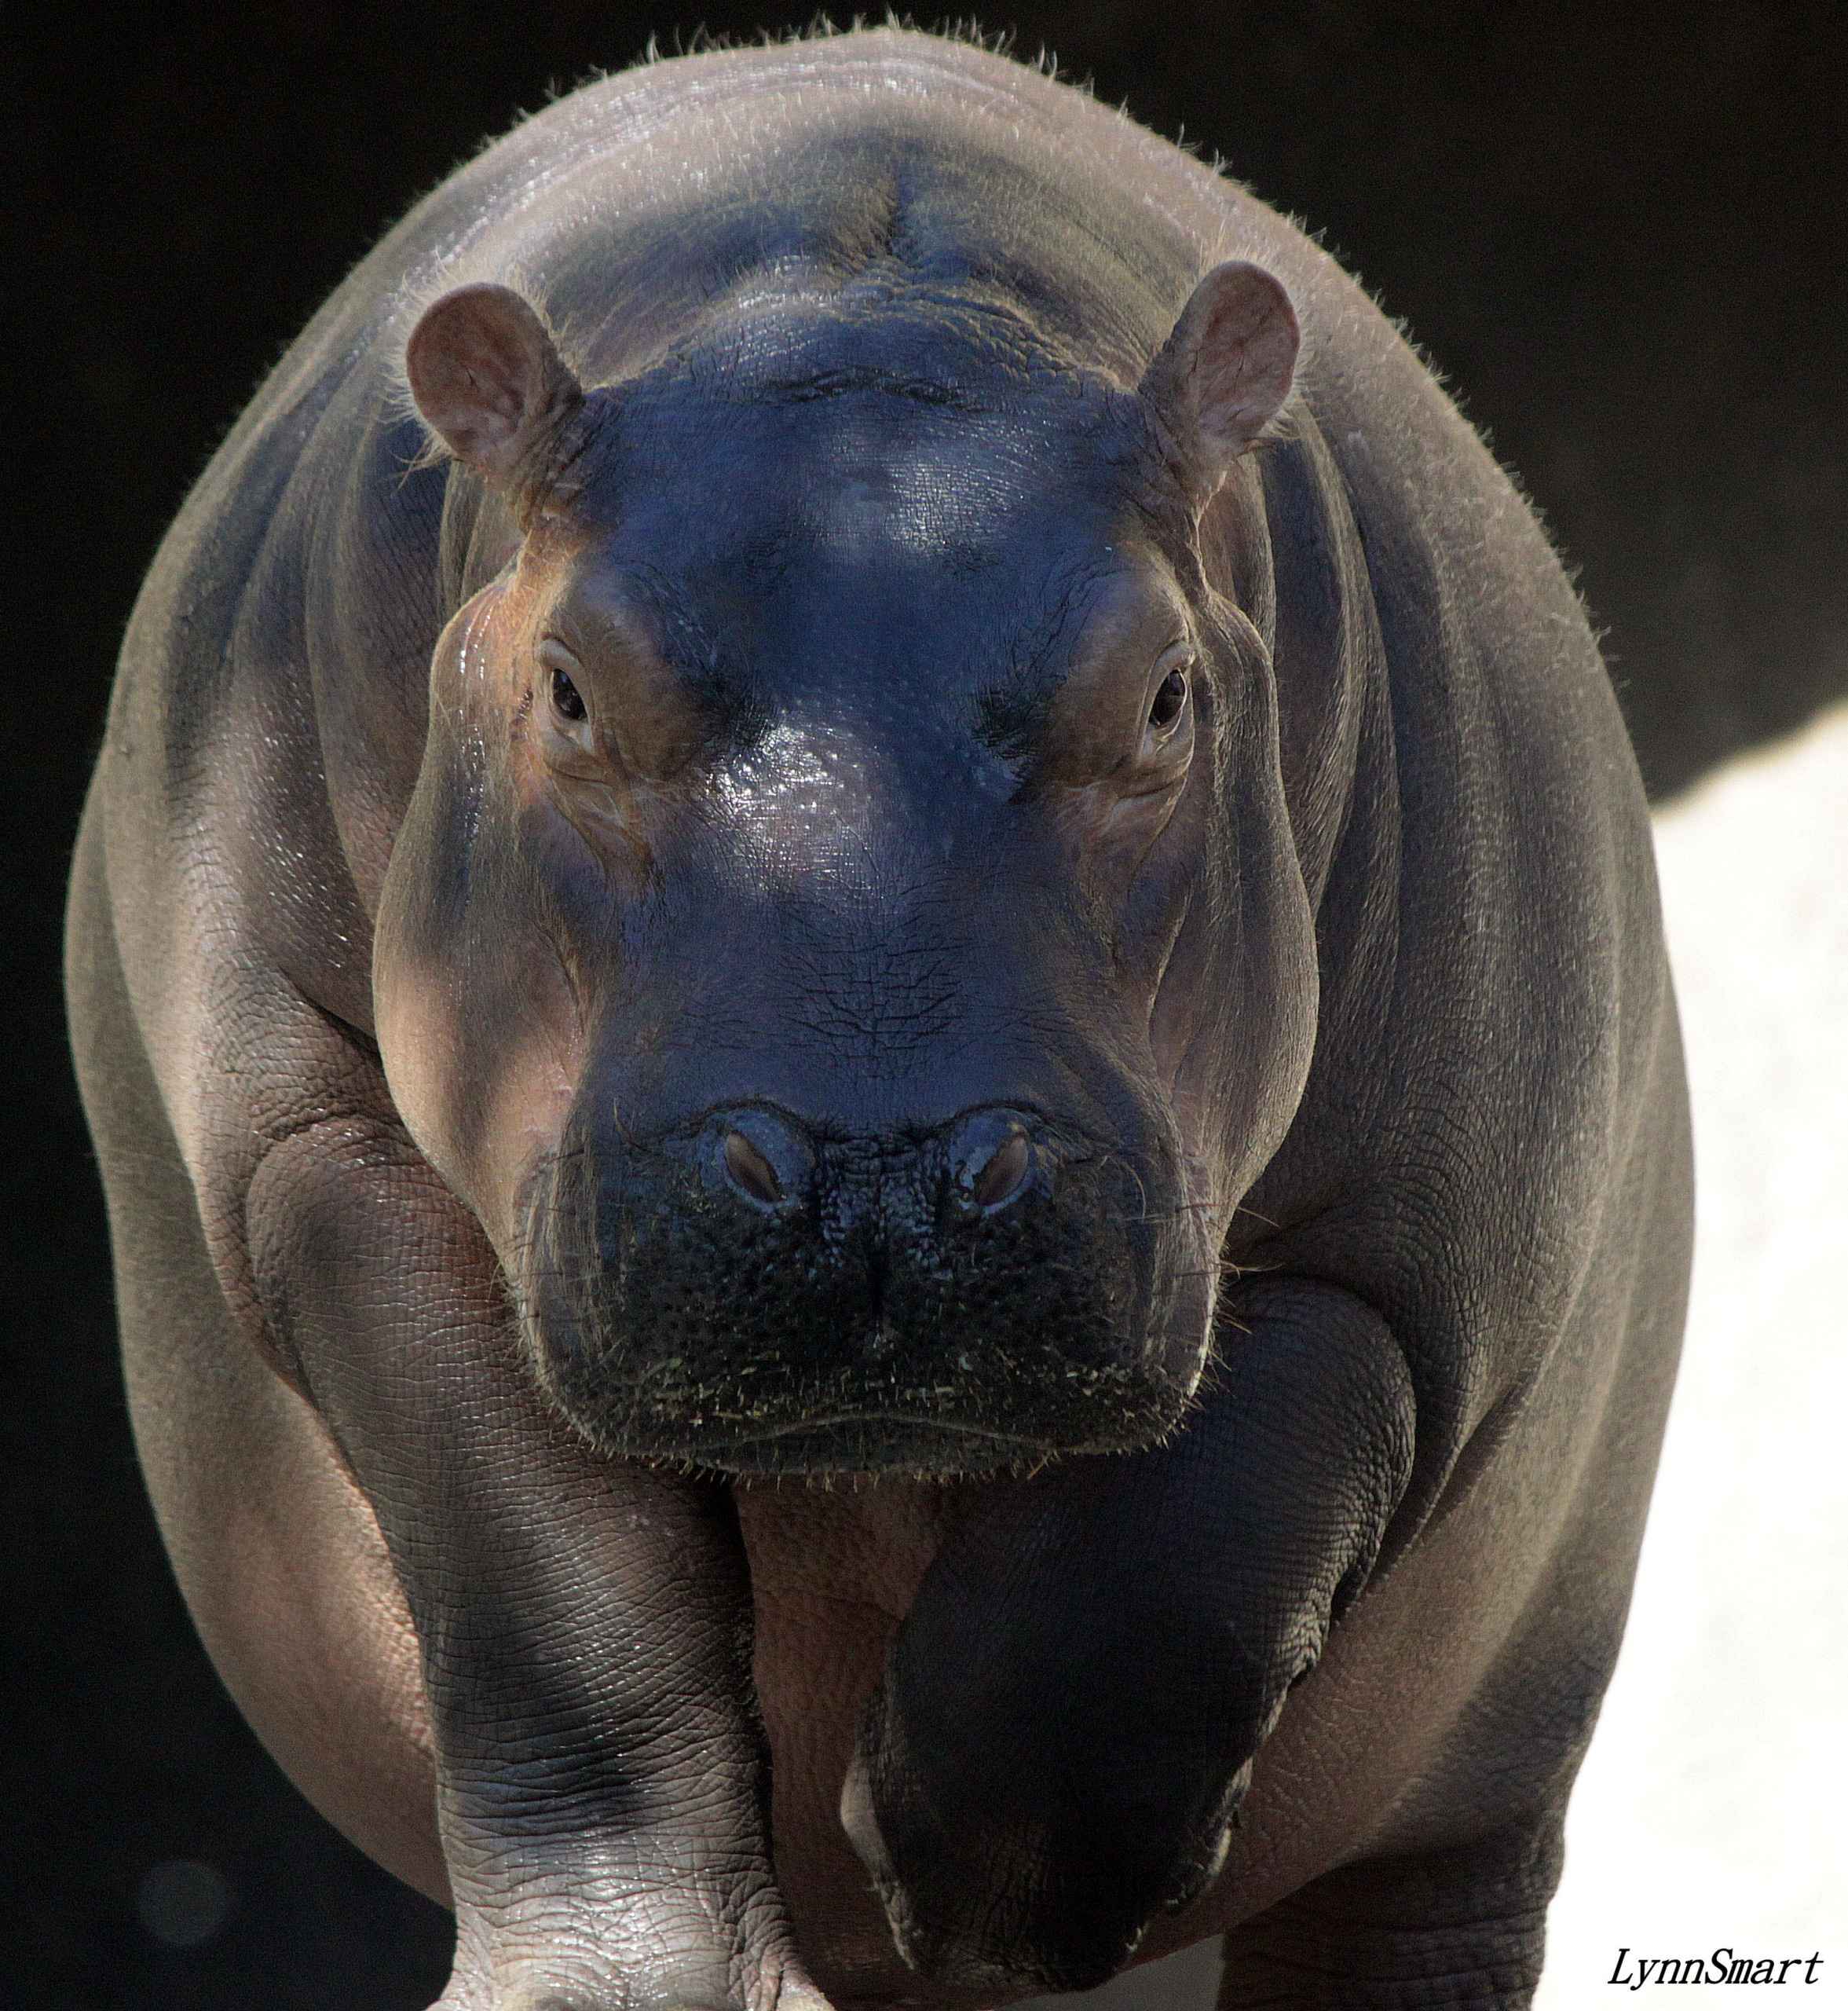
846	943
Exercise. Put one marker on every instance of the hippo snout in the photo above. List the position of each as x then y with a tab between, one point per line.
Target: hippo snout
755	1291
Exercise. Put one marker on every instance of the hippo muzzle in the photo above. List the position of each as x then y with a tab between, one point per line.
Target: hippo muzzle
757	1293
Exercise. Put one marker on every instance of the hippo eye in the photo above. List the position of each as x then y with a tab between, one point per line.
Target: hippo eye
566	699
1170	697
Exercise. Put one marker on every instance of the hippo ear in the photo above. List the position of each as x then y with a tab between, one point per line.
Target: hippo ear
488	381
1225	371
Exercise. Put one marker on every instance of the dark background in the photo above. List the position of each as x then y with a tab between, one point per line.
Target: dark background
1618	229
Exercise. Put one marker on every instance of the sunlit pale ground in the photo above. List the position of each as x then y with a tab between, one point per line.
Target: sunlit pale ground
1713	1811
1714	1807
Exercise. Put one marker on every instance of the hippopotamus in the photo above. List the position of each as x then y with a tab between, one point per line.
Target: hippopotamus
869	974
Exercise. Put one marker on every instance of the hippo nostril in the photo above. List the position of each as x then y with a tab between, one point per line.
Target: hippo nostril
992	1162
1004	1175
758	1156
752	1171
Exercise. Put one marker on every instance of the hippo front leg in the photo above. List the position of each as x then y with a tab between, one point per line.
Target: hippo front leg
1066	1724
584	1625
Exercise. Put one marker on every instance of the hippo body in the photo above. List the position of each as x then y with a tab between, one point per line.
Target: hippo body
869	972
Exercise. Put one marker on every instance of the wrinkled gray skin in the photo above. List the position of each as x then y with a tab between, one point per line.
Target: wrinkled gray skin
775	817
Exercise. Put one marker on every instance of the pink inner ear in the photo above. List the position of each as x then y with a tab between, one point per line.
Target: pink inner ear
1225	372
1244	358
487	378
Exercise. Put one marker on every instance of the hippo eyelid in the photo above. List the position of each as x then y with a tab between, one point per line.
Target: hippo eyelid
553	655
